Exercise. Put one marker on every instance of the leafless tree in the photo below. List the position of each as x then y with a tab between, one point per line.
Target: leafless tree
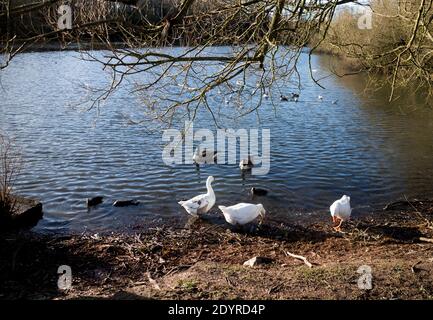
266	38
399	46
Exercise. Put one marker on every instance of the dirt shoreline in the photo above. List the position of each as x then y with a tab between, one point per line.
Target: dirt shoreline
206	261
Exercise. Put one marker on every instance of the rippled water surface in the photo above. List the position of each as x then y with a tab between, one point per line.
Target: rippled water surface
363	146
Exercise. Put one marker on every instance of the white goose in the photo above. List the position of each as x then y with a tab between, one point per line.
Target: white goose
204	156
341	211
202	203
242	213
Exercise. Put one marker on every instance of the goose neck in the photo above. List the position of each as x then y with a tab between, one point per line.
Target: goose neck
209	187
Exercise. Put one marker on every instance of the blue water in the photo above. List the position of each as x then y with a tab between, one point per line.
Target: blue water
363	146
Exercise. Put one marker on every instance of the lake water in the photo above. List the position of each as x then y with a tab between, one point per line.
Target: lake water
363	146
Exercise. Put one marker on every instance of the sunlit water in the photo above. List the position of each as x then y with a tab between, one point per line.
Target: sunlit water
362	146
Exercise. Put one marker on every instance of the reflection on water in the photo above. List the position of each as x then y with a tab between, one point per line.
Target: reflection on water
362	146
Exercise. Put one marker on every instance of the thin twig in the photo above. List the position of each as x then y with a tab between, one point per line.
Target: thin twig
426	239
308	263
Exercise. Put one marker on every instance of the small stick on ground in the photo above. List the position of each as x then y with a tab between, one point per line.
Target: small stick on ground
414	268
426	239
308	263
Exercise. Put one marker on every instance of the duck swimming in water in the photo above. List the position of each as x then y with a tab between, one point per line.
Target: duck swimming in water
246	164
125	203
258	192
91	202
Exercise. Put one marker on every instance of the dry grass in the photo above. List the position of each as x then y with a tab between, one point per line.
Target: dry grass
10	165
206	262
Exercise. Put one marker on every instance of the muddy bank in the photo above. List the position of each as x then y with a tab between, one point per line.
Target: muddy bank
205	261
26	214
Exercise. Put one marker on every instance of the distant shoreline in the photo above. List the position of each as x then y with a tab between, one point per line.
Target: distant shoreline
91	45
43	47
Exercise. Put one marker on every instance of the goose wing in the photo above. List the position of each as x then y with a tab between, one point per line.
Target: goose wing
243	213
196	204
345	210
334	208
341	209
